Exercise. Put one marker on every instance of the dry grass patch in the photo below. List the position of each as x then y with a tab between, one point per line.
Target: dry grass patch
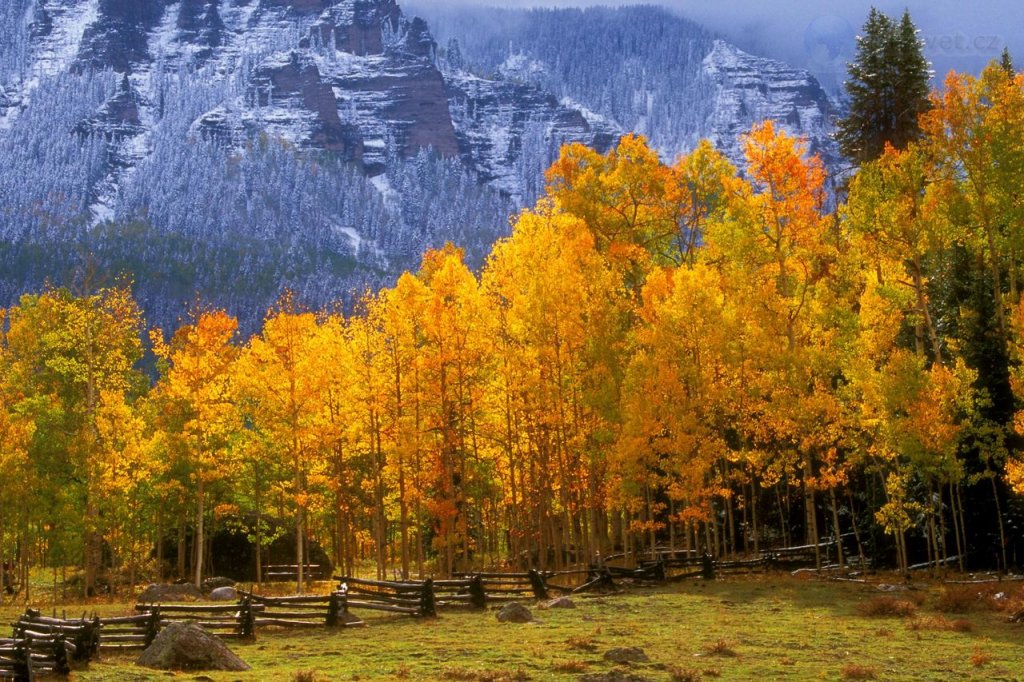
721	647
581	644
677	674
308	676
887	606
570	666
856	671
941	623
468	675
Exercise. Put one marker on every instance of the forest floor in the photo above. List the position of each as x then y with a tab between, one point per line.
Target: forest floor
760	627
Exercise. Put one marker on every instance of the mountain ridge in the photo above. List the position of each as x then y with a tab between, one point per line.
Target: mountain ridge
238	147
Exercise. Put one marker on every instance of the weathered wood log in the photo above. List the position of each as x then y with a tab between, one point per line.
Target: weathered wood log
182	608
300	615
124	620
379	583
119	638
299	599
375	606
287	622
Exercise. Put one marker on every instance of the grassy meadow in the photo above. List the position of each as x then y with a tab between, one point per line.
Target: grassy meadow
766	628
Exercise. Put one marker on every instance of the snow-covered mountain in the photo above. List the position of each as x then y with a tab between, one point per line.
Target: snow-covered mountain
237	147
643	67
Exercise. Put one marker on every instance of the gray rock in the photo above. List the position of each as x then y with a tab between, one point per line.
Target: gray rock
224	594
514	612
186	646
560	603
157	593
628	654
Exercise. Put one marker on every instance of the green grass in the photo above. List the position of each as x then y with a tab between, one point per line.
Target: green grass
755	628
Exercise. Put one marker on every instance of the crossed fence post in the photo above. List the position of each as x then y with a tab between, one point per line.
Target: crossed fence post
428	605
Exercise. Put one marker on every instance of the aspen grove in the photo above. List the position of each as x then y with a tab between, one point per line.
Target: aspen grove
659	354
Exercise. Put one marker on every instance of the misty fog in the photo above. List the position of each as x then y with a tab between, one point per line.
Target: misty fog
820	35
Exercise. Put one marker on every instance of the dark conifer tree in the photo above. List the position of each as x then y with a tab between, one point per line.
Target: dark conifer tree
1006	61
888	88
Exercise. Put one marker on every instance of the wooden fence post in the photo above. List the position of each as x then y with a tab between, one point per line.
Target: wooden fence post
337	605
477	594
428	606
92	641
246	620
540	590
60	656
153	626
707	567
23	661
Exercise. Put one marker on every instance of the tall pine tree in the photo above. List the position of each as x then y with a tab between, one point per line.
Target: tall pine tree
888	88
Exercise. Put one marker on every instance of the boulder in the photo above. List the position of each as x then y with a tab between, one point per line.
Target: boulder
157	593
560	603
626	654
514	612
186	646
224	594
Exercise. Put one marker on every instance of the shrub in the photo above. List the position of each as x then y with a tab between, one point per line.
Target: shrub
959	599
980	658
720	648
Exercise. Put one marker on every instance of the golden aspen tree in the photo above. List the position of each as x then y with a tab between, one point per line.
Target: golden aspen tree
679	397
776	253
128	469
198	412
400	318
371	384
561	311
65	351
456	370
891	211
16	432
281	376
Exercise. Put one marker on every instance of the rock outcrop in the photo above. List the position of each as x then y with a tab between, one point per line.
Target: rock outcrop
750	89
188	647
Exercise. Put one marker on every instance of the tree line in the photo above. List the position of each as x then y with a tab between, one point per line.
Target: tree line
659	354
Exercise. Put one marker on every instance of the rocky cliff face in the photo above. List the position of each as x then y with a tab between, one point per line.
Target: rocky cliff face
352	77
747	89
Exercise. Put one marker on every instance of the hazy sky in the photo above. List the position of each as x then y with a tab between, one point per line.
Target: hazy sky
819	35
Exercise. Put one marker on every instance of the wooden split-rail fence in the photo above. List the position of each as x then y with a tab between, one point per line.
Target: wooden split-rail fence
50	645
23	658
